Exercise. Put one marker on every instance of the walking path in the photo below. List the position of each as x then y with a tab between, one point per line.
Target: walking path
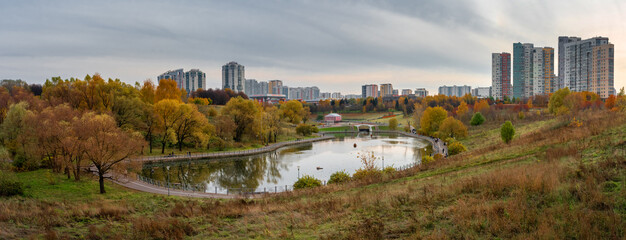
139	185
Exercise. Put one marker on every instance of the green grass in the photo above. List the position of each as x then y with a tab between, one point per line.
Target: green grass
337	129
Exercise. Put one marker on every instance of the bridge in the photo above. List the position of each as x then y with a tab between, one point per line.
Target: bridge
365	127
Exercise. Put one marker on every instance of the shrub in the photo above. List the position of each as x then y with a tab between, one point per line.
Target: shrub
507	132
9	184
388	170
456	148
307	181
520	115
477	119
339	177
306	130
363	173
393	124
427	159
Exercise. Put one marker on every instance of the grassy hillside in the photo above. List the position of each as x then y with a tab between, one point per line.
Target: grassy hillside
554	180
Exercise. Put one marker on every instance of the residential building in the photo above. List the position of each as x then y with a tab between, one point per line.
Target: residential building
589	65
295	93
543	72
522	70
455	90
386	89
353	96
481	92
370	90
234	77
263	88
325	95
275	87
336	95
395	92
285	91
421	92
562	41
500	75
406	92
252	87
189	81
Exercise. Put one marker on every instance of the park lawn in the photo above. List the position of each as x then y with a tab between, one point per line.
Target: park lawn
336	129
536	186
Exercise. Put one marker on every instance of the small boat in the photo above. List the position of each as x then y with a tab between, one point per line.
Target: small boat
320	168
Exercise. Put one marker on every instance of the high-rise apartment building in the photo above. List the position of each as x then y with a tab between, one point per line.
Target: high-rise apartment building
252	87
500	75
189	81
234	77
406	92
543	81
481	92
562	41
386	89
522	70
589	65
455	90
275	87
370	90
336	95
421	92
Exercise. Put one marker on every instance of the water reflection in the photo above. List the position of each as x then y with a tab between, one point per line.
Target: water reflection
279	168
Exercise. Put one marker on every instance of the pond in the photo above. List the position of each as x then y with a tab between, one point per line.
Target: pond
274	171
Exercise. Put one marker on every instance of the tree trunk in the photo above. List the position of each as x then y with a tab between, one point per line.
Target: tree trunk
101	180
150	141
163	144
69	174
77	171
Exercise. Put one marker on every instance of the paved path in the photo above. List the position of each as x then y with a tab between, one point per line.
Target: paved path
146	187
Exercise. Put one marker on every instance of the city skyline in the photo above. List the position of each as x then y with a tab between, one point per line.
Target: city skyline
338	46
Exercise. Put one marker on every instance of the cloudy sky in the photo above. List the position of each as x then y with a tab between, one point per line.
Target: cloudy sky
336	45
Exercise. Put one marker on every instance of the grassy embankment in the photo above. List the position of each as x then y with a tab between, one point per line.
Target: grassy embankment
552	181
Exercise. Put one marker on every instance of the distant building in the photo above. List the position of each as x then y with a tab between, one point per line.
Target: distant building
268	98
543	81
332	118
386	89
252	87
406	92
500	75
370	90
275	87
190	81
481	92
455	90
395	92
561	72
325	95
421	92
234	77
353	96
522	70
589	65
336	95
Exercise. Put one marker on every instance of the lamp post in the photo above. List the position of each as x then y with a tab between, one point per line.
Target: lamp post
298	172
168	180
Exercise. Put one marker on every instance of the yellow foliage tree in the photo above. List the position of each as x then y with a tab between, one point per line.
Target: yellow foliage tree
432	119
167	89
462	109
451	127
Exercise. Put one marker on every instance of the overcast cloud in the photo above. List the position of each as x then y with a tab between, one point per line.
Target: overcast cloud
336	45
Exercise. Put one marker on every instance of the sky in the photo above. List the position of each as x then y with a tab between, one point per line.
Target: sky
335	45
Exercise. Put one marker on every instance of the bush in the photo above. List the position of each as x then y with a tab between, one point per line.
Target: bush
456	148
339	177
427	159
520	115
363	173
507	132
393	124
307	181
9	185
477	119
306	130
388	170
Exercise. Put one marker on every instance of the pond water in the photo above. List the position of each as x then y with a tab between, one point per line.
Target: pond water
274	170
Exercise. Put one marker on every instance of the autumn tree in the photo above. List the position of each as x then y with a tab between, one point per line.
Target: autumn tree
191	125
168	114
292	110
432	119
393	124
555	105
147	92
106	144
610	102
168	89
451	127
12	132
462	109
244	114
477	119
481	106
270	124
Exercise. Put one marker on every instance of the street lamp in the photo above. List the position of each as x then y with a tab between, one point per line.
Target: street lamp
298	172
168	180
